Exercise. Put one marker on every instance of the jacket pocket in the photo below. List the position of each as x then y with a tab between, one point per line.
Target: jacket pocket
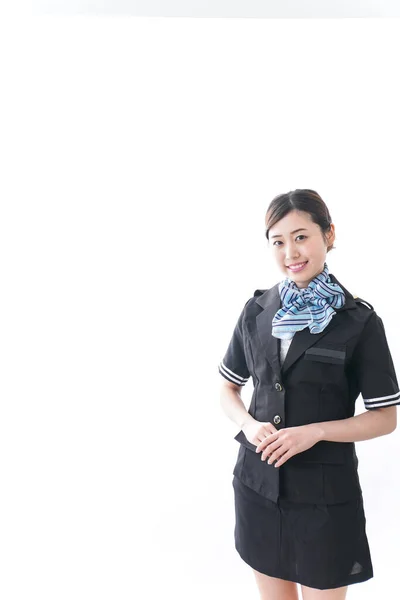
242	439
333	354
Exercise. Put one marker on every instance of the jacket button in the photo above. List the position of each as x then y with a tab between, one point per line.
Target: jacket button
278	387
277	419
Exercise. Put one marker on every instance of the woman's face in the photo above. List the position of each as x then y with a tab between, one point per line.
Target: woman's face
290	246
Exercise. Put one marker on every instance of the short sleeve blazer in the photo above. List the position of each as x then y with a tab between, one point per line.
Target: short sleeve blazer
354	340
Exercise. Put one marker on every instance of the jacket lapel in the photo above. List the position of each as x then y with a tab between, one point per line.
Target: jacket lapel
270	301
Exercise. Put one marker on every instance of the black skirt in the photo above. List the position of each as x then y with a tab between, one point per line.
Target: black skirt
322	546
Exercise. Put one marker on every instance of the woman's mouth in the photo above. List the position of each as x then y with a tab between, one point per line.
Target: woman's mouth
298	267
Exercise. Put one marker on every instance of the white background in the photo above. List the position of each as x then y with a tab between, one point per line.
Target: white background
224	8
140	155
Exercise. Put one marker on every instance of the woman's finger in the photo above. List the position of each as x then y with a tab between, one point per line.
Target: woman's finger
265	441
284	458
270	448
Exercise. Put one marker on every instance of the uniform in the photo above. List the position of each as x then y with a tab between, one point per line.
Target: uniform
309	511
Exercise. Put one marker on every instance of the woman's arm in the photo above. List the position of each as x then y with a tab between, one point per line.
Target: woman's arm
232	404
369	424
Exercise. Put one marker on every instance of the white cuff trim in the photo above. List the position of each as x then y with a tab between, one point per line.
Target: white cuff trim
228	374
383	401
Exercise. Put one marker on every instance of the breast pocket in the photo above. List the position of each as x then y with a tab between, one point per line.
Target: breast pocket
325	364
333	354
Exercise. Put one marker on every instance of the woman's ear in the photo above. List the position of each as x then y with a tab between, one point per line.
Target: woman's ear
330	236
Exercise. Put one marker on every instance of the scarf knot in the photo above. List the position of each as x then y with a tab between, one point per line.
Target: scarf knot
305	295
311	307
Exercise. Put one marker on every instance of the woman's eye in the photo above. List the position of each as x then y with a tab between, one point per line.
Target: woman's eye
301	235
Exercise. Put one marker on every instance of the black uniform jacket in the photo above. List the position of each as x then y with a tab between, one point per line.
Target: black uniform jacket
321	377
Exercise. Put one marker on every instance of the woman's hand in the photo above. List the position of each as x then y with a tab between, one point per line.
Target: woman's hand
256	431
285	443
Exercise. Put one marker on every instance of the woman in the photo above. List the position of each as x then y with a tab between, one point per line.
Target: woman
311	348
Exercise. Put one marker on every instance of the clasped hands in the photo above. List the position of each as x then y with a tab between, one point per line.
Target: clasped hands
280	445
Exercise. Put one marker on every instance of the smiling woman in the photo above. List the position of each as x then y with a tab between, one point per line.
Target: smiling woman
311	348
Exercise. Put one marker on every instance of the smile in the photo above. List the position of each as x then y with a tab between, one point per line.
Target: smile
298	267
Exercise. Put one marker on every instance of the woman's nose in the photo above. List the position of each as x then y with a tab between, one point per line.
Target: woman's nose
291	253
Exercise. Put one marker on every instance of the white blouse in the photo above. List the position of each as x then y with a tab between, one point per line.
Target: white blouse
284	347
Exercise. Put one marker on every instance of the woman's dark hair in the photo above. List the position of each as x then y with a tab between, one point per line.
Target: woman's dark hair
308	201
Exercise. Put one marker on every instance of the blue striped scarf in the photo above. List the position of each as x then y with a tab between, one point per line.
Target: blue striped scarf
310	306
